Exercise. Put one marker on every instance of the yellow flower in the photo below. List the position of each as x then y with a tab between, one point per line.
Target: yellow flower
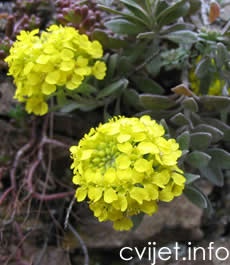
99	70
59	57
124	167
123	224
36	105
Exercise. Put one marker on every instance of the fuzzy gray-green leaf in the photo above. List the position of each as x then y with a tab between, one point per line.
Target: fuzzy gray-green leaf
213	174
112	65
182	36
217	134
202	67
131	97
217	124
147	85
136	9
124	26
153	102
200	140
112	88
196	196
172	13
177	27
190	104
190	178
220	158
198	159
184	140
179	119
222	54
214	103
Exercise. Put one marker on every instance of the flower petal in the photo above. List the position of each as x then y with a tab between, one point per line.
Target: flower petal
81	193
123	162
110	195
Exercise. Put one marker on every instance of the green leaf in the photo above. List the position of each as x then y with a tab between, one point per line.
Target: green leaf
205	83
190	178
107	41
176	27
195	119
220	158
221	126
165	125
217	134
156	102
158	7
200	140
179	119
222	55
195	6
137	219
137	10
226	136
147	85
159	114
189	103
184	140
86	106
217	123
124	26
146	35
214	103
154	66
131	98
112	88
196	196
18	113
101	36
112	65
61	98
125	66
172	13
86	89
198	159
135	52
182	36
213	174
202	68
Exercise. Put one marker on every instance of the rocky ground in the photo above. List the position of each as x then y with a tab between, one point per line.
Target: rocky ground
32	225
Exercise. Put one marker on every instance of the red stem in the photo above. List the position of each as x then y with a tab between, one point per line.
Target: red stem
5	193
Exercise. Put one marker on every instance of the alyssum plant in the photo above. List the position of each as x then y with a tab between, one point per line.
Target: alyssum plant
49	65
127	165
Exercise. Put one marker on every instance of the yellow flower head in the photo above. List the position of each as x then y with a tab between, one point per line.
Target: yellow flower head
124	167
59	57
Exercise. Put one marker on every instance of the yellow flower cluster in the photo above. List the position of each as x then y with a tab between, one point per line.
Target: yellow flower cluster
215	88
60	57
124	167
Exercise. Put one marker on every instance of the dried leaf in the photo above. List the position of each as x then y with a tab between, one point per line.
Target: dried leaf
214	11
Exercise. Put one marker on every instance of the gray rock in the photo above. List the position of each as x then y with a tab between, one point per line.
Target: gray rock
175	221
6	97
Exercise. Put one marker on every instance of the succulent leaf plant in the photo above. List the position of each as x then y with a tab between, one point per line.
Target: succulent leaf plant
200	125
